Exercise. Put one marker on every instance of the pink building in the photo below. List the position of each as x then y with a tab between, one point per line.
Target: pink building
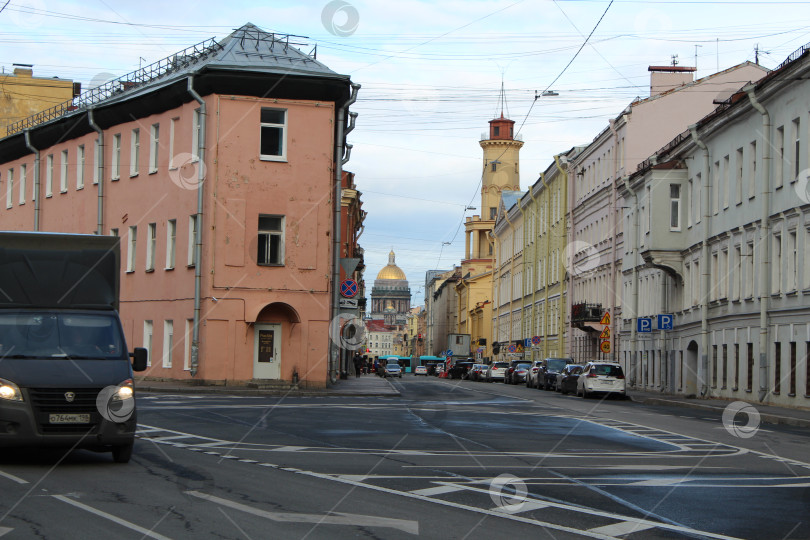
217	167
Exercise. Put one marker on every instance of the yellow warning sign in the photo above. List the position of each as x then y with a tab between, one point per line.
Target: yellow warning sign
605	346
605	318
605	333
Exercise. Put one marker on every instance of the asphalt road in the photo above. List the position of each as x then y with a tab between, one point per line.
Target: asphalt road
446	459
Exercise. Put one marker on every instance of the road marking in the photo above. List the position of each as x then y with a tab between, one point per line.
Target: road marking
114	519
287	449
622	528
525	506
334	518
436	490
5	530
13	478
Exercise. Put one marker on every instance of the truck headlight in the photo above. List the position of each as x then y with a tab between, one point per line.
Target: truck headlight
10	391
125	390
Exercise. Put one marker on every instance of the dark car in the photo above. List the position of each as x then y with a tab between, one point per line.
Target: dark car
511	370
520	372
567	378
553	366
459	370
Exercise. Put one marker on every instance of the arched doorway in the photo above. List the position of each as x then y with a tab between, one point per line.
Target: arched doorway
690	371
269	337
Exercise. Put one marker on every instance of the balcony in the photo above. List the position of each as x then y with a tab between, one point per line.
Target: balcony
587	316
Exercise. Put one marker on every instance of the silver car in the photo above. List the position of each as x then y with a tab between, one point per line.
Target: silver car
392	369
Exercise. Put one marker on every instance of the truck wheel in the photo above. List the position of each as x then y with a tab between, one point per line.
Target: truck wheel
121	454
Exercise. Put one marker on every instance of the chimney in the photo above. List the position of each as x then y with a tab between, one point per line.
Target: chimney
23	70
665	78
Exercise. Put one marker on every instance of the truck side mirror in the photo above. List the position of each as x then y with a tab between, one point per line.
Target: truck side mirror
139	356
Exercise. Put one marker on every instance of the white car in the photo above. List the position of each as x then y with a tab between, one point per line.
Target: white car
497	371
420	370
601	378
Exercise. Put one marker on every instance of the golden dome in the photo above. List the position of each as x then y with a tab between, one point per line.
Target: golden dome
391	271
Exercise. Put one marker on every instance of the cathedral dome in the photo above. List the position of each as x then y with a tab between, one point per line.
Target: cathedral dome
391	271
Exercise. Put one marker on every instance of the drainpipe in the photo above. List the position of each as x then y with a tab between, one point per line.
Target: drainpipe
36	177
634	294
765	274
340	160
703	369
195	336
100	210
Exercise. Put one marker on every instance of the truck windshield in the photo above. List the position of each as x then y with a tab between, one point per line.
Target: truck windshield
60	335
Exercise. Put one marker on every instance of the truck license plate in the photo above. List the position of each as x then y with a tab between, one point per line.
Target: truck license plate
69	418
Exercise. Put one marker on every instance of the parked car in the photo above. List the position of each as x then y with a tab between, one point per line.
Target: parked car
512	365
459	370
602	378
534	374
568	377
478	372
392	369
519	372
553	366
438	370
420	370
497	371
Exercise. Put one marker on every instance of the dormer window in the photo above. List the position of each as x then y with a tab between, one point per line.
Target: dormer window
496	130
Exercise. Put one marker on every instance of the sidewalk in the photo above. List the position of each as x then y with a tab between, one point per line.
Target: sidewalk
767	413
364	386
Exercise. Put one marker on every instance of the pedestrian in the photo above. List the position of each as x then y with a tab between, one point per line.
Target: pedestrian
358	364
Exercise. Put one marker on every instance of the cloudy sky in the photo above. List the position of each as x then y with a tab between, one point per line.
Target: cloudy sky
431	75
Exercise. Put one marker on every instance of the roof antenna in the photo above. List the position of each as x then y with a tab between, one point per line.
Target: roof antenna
674	59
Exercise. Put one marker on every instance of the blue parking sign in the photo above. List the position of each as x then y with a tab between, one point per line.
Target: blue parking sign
644	324
665	322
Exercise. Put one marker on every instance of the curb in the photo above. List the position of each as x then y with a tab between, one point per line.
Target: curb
767	418
262	392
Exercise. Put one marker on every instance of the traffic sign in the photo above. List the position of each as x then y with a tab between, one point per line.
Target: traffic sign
665	322
644	324
512	348
605	346
449	352
527	342
536	340
348	303
605	318
605	333
348	288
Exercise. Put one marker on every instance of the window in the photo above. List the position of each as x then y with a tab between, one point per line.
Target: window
23	174
736	366
271	240
192	239
171	241
749	270
151	239
80	162
115	166
187	337
738	188
807	368
792	269
715	272
9	188
725	186
49	176
172	130
752	169
674	207
698	197
750	353
154	146
716	188
63	172
779	157
494	164
689	195
113	232
777	367
96	160
725	365
134	152
723	293
792	374
776	264
714	366
147	341
273	134
806	264
132	243
736	270
493	213
796	150
168	345
195	135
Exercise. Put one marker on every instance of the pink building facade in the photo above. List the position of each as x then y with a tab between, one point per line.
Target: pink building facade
218	173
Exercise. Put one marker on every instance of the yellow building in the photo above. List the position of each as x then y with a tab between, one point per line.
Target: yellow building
24	95
501	172
532	253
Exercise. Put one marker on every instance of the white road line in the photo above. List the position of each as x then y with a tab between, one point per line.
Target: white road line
13	478
170	437
335	518
114	519
436	490
621	528
525	506
5	530
287	449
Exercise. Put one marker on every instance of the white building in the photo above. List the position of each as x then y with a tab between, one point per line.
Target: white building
718	234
